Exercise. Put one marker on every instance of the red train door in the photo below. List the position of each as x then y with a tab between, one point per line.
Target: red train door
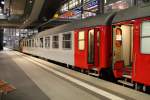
86	48
81	49
141	65
93	47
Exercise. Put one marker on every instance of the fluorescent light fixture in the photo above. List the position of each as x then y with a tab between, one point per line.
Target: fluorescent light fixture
1	14
2	2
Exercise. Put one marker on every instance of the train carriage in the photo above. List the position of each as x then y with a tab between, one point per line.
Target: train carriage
93	51
131	45
90	43
113	45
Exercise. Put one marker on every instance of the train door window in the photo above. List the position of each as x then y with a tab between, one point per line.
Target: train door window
41	42
91	46
55	42
98	46
145	37
81	40
66	43
47	42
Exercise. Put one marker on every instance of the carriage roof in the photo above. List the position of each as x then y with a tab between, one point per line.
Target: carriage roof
105	19
132	13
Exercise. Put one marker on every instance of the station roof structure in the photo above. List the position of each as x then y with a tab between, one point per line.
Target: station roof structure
27	13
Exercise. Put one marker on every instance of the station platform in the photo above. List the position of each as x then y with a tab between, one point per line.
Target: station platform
36	79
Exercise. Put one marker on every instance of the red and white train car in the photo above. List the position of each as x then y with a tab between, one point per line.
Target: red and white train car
93	48
114	45
84	44
131	45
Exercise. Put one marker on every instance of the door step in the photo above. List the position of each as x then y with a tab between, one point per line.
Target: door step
94	69
126	83
127	76
94	74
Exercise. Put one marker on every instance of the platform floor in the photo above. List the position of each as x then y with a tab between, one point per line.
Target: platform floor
36	79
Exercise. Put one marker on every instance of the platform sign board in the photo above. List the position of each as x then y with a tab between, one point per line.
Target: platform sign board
119	5
76	12
91	4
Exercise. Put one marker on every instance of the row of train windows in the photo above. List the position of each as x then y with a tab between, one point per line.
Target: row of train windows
66	42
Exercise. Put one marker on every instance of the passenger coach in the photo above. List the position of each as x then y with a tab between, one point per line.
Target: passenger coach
114	45
131	45
84	44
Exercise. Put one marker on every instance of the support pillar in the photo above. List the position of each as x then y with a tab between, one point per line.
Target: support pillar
100	7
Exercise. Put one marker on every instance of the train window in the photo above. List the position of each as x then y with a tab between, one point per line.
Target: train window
81	41
37	43
145	37
66	41
22	43
91	46
47	42
55	43
41	42
29	43
26	44
32	43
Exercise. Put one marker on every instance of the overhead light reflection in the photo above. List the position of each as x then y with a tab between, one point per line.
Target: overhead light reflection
2	2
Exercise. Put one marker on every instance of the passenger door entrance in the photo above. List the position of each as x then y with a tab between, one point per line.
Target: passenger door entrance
93	46
123	49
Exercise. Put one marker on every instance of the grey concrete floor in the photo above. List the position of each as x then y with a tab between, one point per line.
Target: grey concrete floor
34	83
26	88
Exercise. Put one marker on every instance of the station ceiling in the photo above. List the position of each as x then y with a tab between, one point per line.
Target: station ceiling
27	13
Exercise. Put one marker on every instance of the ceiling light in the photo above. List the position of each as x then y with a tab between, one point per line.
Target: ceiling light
30	1
2	2
1	14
